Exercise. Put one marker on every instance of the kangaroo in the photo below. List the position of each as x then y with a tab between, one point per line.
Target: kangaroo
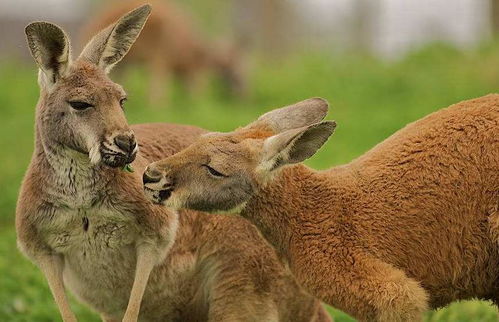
88	226
410	225
169	46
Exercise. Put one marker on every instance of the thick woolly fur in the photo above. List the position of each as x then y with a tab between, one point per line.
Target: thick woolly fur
88	224
410	222
411	225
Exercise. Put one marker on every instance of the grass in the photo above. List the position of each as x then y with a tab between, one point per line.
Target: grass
370	100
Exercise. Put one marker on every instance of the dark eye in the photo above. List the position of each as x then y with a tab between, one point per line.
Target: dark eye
214	172
122	102
79	105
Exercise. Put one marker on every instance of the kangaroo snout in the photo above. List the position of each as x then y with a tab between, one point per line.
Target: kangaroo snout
126	143
119	150
151	176
157	186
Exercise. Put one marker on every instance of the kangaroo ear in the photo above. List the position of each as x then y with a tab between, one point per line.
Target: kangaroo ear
295	145
51	50
110	45
294	116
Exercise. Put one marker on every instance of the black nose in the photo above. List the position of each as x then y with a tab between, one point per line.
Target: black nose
125	142
151	176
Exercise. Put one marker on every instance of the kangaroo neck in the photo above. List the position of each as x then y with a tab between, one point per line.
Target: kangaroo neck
292	199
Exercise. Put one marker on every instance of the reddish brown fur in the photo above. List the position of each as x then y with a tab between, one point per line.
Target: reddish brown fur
410	225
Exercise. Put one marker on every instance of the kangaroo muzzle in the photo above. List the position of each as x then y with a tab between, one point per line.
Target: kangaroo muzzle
119	151
156	185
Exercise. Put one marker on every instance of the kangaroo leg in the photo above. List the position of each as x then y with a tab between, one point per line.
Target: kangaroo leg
238	301
52	266
392	295
243	312
367	288
145	263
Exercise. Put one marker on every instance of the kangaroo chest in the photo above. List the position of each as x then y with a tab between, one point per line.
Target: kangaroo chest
98	247
88	231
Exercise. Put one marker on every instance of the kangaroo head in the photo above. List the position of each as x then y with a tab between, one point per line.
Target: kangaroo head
80	108
221	171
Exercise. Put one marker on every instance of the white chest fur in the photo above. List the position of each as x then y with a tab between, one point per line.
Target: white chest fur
98	248
89	230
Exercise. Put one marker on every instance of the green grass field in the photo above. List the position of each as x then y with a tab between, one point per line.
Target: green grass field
370	100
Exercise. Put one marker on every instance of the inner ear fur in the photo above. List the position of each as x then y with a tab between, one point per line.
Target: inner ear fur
294	116
110	45
296	145
50	48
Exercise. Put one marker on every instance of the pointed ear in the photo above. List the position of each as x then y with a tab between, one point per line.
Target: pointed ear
295	145
51	50
110	45
294	116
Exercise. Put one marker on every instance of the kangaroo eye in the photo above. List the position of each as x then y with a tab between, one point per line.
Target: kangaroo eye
214	172
122	102
79	105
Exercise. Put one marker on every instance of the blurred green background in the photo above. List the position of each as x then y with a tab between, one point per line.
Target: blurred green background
370	99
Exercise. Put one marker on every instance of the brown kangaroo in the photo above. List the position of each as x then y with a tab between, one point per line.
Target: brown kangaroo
410	225
88	226
169	46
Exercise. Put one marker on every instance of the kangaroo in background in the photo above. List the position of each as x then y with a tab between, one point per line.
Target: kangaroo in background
88	226
169	46
412	224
